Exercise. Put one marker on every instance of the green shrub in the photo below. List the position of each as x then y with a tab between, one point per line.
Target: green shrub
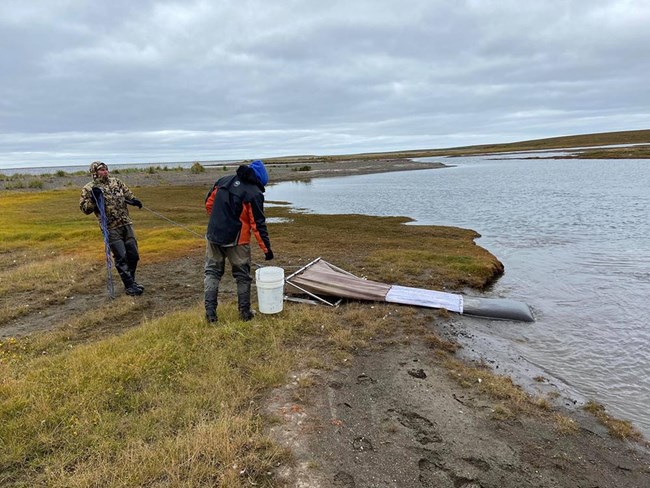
36	184
15	186
197	168
302	168
60	172
151	170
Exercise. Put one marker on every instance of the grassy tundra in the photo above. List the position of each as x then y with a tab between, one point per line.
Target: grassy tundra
170	400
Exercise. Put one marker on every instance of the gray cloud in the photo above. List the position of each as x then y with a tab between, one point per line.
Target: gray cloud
177	81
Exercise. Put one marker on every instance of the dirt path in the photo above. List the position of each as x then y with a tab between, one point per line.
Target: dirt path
161	296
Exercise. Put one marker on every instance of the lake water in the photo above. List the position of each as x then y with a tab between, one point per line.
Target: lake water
574	236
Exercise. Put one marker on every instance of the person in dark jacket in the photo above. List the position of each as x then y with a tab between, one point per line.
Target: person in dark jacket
236	208
115	196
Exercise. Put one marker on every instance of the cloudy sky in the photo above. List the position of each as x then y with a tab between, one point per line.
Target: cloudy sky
165	81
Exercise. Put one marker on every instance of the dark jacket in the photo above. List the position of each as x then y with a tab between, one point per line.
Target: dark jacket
236	208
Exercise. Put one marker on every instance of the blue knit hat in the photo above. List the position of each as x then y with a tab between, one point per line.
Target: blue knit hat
260	171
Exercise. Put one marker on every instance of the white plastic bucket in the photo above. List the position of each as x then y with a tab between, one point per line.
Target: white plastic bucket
269	281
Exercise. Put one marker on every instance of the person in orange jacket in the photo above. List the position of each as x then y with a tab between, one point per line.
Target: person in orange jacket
236	208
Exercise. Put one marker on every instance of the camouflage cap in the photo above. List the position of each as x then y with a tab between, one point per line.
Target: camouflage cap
95	165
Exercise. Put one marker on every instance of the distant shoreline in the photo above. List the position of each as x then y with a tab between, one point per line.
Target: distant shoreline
72	169
629	145
634	144
158	175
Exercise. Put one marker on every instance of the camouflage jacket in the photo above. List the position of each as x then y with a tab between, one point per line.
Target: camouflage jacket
115	194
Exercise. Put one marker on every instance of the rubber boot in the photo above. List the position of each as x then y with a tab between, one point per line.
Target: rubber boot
210	296
210	307
135	283
130	286
132	257
133	290
244	301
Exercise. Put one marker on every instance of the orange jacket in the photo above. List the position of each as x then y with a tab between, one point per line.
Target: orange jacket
236	208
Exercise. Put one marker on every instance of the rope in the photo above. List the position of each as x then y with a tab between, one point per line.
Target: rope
107	248
196	233
175	223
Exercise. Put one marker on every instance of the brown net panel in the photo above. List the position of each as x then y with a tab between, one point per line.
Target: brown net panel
322	278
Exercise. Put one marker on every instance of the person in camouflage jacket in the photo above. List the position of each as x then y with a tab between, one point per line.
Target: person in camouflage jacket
121	237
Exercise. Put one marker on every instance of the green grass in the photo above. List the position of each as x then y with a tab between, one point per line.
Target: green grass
52	220
621	429
172	401
172	389
634	152
48	224
383	249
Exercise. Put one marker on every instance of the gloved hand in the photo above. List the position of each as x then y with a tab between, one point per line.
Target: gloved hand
135	202
97	192
268	256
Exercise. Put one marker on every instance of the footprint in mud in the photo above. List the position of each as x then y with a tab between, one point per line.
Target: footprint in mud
364	378
362	444
424	429
344	480
433	474
335	385
478	463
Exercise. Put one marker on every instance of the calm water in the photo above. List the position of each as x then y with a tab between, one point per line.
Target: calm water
574	236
